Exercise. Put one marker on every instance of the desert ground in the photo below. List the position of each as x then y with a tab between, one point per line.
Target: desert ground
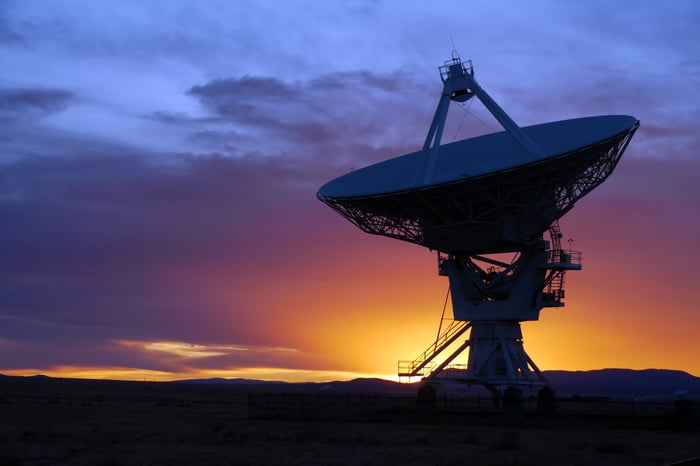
111	424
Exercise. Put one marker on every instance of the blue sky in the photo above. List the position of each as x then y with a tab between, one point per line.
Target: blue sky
159	162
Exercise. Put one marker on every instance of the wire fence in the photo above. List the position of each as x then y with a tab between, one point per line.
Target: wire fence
354	406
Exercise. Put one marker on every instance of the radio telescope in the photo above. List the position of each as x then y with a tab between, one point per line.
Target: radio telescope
474	201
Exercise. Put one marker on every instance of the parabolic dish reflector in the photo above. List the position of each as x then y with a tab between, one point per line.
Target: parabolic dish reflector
485	194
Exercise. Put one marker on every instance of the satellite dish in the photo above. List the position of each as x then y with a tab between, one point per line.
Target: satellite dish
479	197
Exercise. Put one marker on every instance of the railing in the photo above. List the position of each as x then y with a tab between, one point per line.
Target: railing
409	369
445	339
564	257
466	68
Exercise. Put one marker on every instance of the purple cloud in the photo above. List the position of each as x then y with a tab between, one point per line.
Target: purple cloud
17	103
8	34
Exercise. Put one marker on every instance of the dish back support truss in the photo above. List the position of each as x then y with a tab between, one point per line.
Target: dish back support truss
488	213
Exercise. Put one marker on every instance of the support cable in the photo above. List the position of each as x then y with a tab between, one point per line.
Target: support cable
465	107
442	317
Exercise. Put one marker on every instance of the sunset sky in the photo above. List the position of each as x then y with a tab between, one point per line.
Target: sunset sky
159	162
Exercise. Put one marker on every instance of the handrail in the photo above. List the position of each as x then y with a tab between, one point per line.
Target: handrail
451	333
564	256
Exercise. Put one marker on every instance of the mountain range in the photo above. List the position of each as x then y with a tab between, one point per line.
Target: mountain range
627	383
648	383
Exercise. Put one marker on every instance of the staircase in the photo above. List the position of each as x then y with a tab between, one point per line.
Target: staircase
423	364
558	262
555	286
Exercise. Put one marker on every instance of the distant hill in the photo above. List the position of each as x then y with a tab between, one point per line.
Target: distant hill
237	381
604	382
653	383
624	382
366	385
649	383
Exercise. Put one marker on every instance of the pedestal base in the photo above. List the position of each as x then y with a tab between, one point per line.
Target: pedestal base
497	358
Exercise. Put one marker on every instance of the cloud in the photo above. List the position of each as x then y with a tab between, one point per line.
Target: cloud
137	246
179	118
184	357
16	103
206	249
337	113
118	243
8	34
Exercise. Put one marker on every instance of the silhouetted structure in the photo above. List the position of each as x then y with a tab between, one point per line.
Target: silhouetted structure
474	200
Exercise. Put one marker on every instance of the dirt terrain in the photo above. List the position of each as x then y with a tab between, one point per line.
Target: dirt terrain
157	424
